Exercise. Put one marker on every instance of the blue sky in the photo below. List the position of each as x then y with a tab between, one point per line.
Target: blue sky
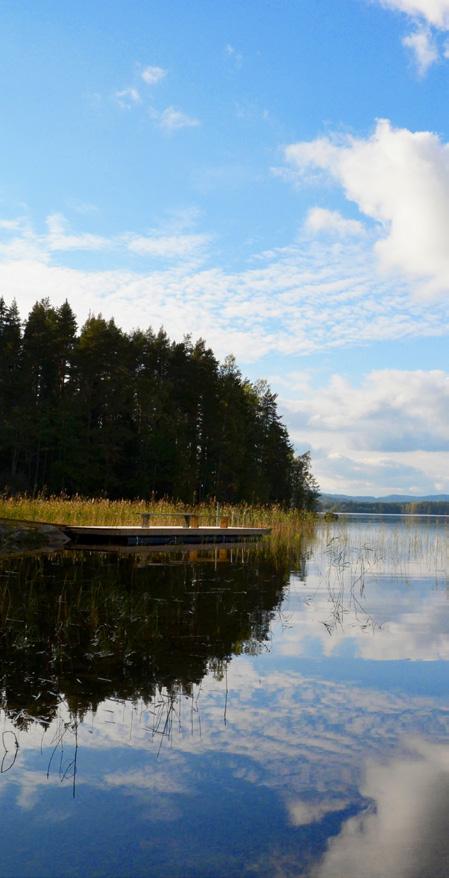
271	175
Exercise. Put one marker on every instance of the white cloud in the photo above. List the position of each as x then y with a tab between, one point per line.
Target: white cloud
424	49
311	296
429	17
168	246
19	241
369	473
10	224
435	12
390	410
400	179
152	74
321	220
172	119
387	434
59	239
127	98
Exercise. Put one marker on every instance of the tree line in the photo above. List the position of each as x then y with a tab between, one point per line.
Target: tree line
388	507
104	412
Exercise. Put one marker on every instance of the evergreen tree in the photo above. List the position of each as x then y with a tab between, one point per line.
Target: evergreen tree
41	388
104	405
274	450
10	351
136	415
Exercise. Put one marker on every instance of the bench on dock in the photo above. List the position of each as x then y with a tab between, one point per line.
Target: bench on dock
191	519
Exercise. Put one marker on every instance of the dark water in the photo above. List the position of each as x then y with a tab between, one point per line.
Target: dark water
231	713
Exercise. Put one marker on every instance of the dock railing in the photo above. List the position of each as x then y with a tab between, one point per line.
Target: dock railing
191	519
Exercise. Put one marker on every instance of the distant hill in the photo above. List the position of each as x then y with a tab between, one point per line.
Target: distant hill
437	504
388	498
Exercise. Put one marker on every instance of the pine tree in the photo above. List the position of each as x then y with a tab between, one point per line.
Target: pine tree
136	415
10	347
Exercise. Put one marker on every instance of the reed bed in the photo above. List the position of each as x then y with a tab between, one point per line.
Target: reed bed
421	542
286	524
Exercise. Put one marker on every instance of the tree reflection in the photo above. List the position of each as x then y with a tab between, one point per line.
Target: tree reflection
81	627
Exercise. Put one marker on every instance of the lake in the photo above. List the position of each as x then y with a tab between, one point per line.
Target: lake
257	711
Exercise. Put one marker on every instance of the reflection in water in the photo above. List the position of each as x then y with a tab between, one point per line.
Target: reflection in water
271	714
377	592
403	833
84	627
79	629
346	573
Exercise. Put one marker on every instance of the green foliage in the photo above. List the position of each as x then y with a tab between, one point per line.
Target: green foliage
107	413
304	488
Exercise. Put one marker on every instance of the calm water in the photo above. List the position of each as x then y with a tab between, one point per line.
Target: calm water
229	714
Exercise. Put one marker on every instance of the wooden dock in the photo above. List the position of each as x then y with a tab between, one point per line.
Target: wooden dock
165	535
146	534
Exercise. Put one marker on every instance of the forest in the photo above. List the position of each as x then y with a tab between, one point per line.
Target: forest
104	412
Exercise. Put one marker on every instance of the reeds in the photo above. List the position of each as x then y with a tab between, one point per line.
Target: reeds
286	524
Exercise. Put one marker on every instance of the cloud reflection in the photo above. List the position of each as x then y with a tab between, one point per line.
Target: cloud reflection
404	833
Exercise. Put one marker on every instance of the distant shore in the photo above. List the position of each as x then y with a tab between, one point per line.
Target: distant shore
385	507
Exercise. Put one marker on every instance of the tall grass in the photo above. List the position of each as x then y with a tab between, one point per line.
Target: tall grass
286	524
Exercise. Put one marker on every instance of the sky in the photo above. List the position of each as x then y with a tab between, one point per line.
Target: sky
272	176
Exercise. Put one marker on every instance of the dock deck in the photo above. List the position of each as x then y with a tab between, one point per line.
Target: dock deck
165	535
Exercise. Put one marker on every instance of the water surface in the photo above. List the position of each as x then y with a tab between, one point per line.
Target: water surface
246	712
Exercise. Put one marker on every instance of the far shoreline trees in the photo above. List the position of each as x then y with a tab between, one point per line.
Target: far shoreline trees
103	412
